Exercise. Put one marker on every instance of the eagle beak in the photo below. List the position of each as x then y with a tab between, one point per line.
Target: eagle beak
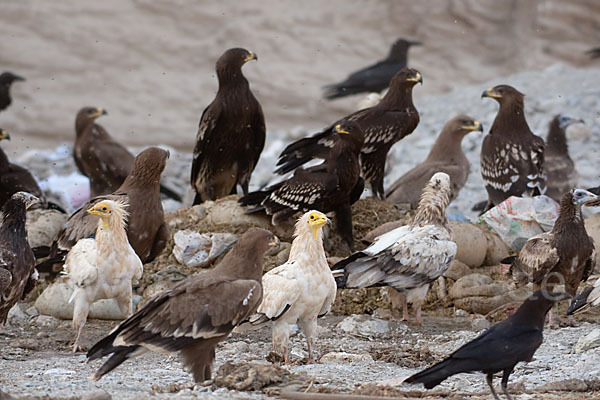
340	130
99	112
274	242
251	56
417	78
475	127
4	135
490	93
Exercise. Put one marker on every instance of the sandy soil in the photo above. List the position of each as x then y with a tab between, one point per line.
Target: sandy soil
151	64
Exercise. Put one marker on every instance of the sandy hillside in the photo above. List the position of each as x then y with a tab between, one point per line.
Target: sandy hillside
151	64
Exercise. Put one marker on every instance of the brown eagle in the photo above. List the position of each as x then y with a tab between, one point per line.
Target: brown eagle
99	157
512	157
333	185
231	134
17	262
446	155
194	315
393	118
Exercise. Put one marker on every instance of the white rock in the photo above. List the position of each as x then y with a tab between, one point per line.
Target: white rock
338	357
54	302
46	321
58	371
589	341
199	249
16	315
363	325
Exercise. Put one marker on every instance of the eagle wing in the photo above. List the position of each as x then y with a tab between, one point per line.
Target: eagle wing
206	129
537	257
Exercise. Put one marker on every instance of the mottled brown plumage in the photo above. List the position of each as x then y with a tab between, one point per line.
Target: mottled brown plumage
560	170
14	178
383	125
194	315
231	134
446	155
16	257
564	254
512	157
147	230
333	185
99	157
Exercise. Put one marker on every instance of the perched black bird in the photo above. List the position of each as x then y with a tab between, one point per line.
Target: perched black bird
560	169
376	77
333	185
231	134
102	159
383	125
512	157
6	80
499	348
14	178
17	263
194	315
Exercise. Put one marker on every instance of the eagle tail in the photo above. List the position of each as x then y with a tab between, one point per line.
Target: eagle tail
119	355
302	151
170	193
338	90
256	199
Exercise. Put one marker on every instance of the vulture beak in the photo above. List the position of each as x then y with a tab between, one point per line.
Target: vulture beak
417	78
99	209
251	56
476	126
4	135
30	200
340	130
316	220
586	198
490	93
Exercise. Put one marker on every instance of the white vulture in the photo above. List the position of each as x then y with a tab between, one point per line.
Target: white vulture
301	290
103	267
410	257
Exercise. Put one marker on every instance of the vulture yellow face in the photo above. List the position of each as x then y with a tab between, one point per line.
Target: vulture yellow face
102	209
315	222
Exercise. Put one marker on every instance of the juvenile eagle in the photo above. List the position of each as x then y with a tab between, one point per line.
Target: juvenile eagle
17	262
99	157
6	81
559	167
147	230
376	77
231	134
393	118
564	255
300	290
410	257
446	155
103	267
512	157
333	185
194	315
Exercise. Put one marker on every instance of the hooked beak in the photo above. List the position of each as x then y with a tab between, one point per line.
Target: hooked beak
340	130
274	242
475	127
490	93
251	56
31	201
4	135
416	78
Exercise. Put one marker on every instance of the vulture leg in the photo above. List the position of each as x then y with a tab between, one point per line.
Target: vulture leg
489	379
505	374
310	330
80	313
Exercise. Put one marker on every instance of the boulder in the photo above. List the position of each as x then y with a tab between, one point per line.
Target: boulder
480	294
475	285
363	325
195	249
497	250
589	341
227	211
42	226
54	301
457	270
471	242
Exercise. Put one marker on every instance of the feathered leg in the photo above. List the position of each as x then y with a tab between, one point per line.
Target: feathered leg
398	300
281	338
125	303
309	327
80	313
198	358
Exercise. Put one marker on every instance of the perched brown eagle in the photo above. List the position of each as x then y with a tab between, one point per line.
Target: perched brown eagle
333	185
446	155
99	157
14	178
376	77
564	255
300	290
512	157
194	315
393	118
6	81
147	230
559	167
104	267
410	257
17	262
231	134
